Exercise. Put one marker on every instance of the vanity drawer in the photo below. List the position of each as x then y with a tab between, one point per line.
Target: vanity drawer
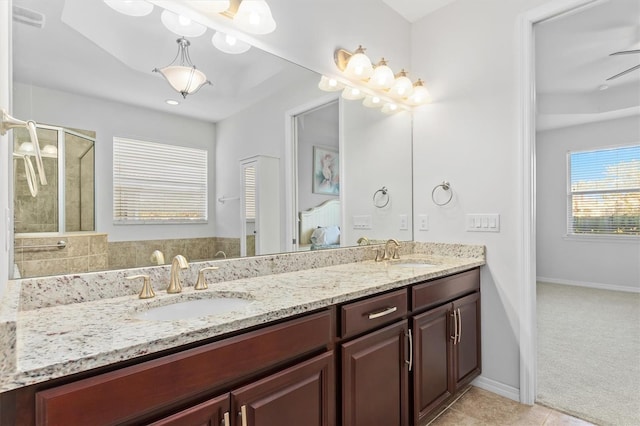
141	390
442	290
370	313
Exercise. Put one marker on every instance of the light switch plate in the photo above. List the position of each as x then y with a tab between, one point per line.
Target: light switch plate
423	222
404	222
483	222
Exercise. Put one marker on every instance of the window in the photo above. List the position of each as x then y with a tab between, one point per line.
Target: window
604	191
158	183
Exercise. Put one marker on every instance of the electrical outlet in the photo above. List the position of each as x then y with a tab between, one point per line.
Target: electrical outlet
404	222
423	222
362	222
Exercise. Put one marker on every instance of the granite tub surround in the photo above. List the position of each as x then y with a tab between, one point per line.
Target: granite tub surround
92	321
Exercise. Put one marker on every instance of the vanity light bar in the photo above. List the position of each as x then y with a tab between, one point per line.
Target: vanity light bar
378	85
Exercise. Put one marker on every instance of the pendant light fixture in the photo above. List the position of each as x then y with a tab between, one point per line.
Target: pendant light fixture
184	77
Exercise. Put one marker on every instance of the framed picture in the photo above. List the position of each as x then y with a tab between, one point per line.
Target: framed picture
326	171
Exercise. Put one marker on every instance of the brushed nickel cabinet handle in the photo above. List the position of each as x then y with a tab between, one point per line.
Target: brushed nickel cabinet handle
243	415
225	420
459	325
455	327
410	362
382	313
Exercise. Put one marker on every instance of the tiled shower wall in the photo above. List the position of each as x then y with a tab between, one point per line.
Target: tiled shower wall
82	253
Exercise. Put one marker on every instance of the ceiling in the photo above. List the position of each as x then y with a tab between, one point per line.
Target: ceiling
414	10
87	48
573	64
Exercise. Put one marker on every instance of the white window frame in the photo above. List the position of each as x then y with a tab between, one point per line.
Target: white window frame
588	236
156	183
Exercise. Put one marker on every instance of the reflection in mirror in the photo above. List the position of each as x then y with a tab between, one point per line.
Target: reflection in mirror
89	67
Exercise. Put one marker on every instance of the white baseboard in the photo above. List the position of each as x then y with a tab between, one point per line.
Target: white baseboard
589	285
497	388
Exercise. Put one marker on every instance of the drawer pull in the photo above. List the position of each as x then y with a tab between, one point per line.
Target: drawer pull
382	313
459	325
410	362
454	314
225	420
243	414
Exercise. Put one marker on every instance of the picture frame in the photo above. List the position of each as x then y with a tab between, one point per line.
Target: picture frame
326	171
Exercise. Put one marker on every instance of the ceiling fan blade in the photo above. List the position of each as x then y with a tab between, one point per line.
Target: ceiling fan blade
625	52
624	72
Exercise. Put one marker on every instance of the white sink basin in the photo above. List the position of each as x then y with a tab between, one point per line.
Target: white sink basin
194	308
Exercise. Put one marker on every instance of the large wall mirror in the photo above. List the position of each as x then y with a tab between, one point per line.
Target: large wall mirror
316	161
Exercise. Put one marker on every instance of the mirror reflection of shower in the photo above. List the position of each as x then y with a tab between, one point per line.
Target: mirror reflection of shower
68	157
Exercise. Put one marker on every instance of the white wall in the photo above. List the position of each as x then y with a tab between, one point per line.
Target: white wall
609	263
467	53
377	146
109	119
258	130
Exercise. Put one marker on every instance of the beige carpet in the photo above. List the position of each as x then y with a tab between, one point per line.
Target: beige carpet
589	353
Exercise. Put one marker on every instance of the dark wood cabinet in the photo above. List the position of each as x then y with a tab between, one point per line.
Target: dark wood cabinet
301	395
446	341
375	377
214	412
433	383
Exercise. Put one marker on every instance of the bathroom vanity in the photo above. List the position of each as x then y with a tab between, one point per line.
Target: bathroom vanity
360	343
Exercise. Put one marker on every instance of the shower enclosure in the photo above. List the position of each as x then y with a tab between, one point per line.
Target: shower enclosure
66	203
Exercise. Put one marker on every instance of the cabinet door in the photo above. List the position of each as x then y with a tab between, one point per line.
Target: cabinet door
301	395
209	413
432	344
467	361
375	378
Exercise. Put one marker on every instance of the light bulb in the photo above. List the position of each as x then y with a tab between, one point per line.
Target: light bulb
390	108
231	40
131	7
184	21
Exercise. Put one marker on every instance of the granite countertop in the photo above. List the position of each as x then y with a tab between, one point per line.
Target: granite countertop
62	339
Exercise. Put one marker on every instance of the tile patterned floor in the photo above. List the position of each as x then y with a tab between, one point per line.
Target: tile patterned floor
480	407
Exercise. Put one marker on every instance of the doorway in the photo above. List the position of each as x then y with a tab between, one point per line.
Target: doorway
530	104
314	127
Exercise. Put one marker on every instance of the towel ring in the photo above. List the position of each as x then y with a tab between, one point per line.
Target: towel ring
446	187
382	200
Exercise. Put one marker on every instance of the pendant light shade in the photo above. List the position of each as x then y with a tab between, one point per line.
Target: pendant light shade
372	101
352	93
254	16
183	76
131	7
181	25
330	84
402	86
359	65
420	94
229	44
382	77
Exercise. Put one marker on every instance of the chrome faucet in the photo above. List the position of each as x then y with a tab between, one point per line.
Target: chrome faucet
391	252
222	253
179	262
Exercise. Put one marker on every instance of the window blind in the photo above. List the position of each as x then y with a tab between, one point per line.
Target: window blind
604	191
250	192
158	183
